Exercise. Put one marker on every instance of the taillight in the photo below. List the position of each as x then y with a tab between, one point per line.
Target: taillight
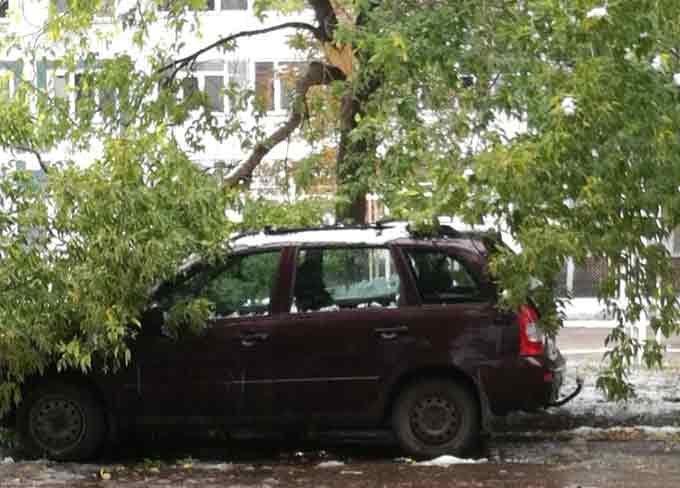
530	336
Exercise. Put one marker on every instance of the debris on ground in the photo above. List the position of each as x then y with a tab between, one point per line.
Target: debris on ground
446	461
330	464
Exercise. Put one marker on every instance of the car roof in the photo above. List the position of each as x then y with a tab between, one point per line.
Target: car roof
359	235
371	235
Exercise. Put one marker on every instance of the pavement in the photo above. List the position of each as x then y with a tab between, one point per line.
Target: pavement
588	336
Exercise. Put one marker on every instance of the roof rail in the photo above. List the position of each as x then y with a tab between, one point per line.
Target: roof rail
449	231
442	230
271	230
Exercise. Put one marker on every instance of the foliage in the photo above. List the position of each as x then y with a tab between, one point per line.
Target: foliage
81	251
7	438
558	121
592	165
301	213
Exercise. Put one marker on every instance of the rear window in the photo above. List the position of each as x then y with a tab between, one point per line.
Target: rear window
441	278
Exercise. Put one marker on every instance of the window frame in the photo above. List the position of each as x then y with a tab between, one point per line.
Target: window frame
674	243
394	265
164	298
278	82
71	95
215	10
220	9
11	81
201	74
98	15
4	19
273	290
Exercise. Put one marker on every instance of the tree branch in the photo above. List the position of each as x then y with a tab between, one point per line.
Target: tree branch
317	74
43	165
325	17
182	62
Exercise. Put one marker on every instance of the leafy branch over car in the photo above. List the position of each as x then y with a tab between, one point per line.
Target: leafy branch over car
314	329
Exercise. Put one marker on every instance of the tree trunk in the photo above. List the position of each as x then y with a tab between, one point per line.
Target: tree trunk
355	154
351	155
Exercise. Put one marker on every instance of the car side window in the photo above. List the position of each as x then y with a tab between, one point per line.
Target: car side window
244	286
441	278
328	279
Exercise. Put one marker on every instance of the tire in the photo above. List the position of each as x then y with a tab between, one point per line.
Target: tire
436	417
61	421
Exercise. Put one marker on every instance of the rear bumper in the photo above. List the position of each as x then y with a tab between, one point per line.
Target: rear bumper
525	383
570	396
557	366
545	382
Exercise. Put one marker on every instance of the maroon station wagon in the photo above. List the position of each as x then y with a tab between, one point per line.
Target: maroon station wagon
314	329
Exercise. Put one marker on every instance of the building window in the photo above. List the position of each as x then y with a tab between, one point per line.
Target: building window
275	84
6	84
234	4
264	85
107	8
77	90
206	77
189	87
582	280
60	86
675	243
212	77
238	71
212	5
288	74
83	87
214	90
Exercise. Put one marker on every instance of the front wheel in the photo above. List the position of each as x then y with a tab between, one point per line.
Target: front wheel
62	422
435	417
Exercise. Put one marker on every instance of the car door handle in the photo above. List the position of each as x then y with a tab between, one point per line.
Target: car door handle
389	333
249	339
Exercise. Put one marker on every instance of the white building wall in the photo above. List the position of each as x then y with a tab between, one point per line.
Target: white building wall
27	17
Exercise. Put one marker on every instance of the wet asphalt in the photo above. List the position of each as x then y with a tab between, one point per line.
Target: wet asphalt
506	459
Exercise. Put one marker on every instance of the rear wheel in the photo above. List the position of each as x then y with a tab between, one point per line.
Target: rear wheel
62	422
435	417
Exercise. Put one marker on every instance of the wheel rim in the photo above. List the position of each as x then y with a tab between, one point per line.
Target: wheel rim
57	424
435	420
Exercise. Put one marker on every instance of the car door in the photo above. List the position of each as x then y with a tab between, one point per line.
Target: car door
189	379
199	377
341	337
457	322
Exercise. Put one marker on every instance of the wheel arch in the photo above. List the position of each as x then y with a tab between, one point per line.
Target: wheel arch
79	380
450	373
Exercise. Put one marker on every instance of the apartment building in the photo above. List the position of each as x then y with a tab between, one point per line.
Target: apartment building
263	63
